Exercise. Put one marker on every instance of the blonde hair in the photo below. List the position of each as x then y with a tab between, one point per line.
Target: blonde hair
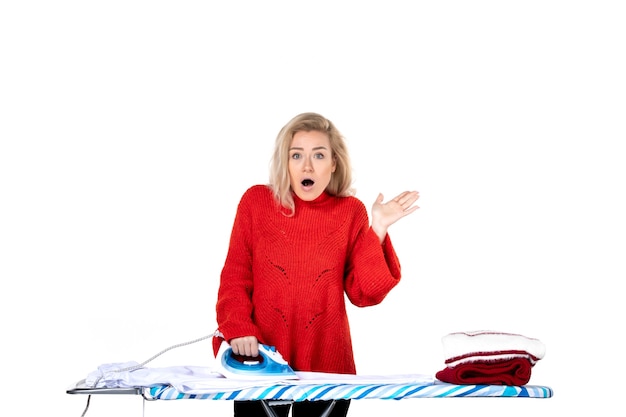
340	181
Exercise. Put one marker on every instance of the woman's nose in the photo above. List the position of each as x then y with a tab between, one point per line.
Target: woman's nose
308	166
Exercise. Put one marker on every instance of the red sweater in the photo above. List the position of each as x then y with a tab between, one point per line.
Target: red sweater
284	278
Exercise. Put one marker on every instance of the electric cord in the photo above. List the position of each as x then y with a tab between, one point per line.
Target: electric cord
142	364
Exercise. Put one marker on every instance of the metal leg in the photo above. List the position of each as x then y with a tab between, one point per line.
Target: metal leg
328	410
268	410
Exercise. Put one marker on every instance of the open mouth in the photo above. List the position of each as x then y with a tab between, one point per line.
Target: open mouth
307	182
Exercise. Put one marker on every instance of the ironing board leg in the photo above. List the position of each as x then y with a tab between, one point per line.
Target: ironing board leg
330	407
270	412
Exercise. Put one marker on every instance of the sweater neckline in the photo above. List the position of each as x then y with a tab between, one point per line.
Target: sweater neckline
322	198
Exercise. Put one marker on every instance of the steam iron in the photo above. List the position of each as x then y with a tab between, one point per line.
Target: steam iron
268	365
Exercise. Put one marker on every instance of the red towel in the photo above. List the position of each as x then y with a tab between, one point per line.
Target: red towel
514	371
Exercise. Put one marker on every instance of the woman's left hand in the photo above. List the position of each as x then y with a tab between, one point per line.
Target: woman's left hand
386	214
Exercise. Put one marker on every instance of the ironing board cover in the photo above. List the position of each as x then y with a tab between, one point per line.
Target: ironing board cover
313	392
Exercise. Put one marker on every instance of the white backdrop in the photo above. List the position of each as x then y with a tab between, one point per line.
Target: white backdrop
131	128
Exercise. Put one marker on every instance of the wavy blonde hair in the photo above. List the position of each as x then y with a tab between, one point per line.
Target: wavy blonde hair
340	181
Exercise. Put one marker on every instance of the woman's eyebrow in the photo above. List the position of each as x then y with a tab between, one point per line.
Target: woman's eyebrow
317	148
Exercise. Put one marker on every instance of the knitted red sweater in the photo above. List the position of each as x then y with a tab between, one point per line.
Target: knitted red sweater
284	278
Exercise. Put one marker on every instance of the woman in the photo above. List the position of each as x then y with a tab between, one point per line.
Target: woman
297	246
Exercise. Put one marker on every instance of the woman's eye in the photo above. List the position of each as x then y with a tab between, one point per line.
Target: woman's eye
295	156
319	156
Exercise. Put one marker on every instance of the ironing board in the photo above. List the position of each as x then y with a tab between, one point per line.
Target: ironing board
384	391
286	392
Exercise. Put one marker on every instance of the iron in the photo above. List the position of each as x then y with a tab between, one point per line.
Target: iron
268	365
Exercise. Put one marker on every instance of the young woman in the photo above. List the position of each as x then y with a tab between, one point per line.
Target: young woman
297	246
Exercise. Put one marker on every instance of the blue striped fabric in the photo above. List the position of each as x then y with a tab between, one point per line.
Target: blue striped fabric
313	392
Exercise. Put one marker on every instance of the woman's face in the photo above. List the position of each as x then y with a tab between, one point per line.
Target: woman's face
311	164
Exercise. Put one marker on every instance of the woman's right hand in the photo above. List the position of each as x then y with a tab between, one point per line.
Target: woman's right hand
245	346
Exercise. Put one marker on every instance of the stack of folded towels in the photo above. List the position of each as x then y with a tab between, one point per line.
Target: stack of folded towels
489	358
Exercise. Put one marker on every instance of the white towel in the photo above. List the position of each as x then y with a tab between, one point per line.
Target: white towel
486	345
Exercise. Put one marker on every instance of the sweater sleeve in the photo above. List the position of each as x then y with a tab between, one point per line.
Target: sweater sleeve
373	269
234	304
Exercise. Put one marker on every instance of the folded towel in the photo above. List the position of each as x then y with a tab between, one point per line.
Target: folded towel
489	357
507	372
484	345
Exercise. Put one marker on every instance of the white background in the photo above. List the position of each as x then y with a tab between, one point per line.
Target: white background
129	131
